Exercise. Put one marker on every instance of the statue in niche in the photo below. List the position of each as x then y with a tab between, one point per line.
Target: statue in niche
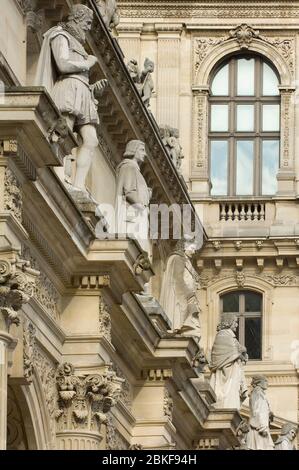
170	137
132	195
259	437
143	80
178	293
227	359
109	13
64	68
287	437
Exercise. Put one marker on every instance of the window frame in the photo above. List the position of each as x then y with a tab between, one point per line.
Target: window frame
242	315
231	136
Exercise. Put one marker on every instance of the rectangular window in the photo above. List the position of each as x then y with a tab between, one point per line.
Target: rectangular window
245	78
271	117
253	339
245	159
219	118
219	156
270	166
245	118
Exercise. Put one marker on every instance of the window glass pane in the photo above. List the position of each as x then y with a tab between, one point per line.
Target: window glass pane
245	77
244	167
270	166
253	337
271	117
219	118
220	82
231	302
245	117
253	302
270	81
219	150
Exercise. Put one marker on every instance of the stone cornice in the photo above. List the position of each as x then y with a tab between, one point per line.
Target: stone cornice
219	9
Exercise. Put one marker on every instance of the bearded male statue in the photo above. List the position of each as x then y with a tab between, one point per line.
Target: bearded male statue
64	68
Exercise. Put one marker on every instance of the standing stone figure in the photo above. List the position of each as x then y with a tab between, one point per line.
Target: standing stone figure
147	83
63	69
259	437
132	195
178	294
109	12
134	71
143	80
227	359
287	437
170	137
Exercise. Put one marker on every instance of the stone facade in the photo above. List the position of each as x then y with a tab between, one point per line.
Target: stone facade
89	358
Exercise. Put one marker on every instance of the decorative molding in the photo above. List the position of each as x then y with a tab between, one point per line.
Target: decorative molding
45	292
91	282
126	394
85	400
114	440
244	35
280	279
45	368
104	320
13	200
241	277
167	404
17	283
190	9
46	250
157	374
29	332
207	443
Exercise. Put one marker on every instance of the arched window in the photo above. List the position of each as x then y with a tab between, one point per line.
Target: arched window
244	127
247	305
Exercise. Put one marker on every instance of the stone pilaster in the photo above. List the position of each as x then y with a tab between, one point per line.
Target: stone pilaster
286	174
199	170
152	409
168	74
83	404
16	288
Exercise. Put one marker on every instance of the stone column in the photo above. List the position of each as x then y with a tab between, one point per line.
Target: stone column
168	74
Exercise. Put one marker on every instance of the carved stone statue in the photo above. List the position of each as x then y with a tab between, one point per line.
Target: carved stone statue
132	195
259	437
134	71
227	359
146	80
178	294
109	12
170	137
287	437
143	80
63	69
